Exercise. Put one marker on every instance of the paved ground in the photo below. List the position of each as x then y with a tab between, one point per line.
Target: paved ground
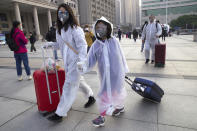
176	112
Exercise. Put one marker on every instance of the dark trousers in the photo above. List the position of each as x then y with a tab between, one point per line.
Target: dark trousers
33	47
55	54
163	37
119	38
19	58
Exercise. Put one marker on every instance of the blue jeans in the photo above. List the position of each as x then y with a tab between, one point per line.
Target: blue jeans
19	58
55	54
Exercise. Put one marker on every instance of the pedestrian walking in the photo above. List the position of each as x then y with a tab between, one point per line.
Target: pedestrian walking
150	36
71	41
119	34
164	32
51	37
112	68
145	24
32	40
135	35
21	54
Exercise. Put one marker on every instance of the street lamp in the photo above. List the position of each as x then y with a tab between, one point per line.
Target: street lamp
166	11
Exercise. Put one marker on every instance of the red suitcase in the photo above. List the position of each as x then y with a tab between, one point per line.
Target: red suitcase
48	87
48	98
160	55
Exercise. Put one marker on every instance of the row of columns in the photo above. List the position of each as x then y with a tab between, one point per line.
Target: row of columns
35	15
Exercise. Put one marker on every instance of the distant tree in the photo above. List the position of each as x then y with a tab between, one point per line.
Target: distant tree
182	21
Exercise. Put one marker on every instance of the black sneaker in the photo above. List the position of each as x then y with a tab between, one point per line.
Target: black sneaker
118	111
99	121
147	60
90	102
152	62
55	118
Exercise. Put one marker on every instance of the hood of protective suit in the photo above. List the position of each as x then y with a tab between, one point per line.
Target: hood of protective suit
105	20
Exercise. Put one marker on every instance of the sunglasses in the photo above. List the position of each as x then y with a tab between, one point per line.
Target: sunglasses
63	13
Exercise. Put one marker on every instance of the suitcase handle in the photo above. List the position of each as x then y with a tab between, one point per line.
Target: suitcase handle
131	82
128	80
43	56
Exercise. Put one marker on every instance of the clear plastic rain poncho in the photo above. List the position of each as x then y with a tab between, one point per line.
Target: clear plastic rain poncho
112	68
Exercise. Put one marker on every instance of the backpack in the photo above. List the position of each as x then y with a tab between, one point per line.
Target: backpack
12	44
48	38
32	39
155	25
51	35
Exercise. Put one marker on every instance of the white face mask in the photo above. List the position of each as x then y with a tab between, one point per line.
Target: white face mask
86	29
101	30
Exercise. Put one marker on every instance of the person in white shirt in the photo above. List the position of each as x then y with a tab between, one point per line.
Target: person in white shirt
150	36
72	44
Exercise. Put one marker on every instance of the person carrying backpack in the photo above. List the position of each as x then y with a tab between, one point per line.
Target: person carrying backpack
150	36
20	53
32	40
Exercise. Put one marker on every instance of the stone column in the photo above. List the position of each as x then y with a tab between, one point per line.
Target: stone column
49	18
36	22
17	13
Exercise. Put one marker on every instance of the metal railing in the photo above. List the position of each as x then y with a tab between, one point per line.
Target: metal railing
187	31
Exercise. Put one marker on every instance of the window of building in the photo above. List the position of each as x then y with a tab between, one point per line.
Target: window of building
171	10
4	25
3	17
94	18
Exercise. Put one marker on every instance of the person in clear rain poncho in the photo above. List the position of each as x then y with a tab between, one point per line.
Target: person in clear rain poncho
106	51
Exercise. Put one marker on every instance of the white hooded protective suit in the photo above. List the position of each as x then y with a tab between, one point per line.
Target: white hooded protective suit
149	33
112	68
76	38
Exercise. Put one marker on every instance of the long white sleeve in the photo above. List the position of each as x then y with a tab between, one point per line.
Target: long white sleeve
81	44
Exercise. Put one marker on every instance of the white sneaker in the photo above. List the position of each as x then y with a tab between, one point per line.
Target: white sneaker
29	77
20	78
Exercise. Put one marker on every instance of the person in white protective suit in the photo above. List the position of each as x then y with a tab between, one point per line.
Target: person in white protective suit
72	44
150	36
112	67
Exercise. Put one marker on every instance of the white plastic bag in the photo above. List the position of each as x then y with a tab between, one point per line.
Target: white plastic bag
49	65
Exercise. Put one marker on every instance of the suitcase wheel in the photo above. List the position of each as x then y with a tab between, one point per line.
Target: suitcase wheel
159	65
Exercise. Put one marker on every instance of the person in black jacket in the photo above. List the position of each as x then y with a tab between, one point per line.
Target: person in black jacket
51	37
119	34
32	40
135	35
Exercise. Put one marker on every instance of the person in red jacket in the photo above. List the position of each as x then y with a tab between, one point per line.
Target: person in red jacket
21	54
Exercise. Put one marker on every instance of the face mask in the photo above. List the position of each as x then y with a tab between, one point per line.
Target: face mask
101	30
86	29
63	16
